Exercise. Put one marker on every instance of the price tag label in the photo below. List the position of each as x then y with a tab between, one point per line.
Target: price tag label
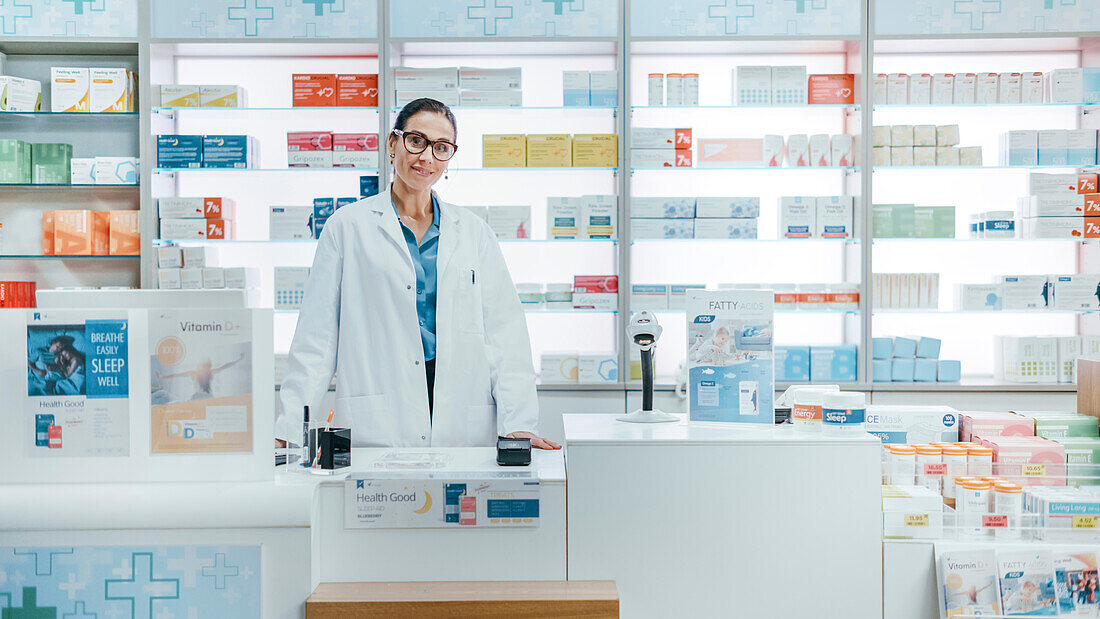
1086	522
916	520
939	468
1035	470
995	521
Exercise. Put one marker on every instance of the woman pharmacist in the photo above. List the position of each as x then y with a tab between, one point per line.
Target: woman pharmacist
410	303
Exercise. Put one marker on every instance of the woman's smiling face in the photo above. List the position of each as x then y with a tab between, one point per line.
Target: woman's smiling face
419	171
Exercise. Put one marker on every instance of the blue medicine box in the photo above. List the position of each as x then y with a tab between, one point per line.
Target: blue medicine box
928	348
882	347
925	370
950	371
226	151
342	202
368	186
179	151
881	370
833	363
323	208
792	363
903	370
905	348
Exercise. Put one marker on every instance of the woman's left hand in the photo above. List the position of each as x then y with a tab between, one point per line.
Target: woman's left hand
536	441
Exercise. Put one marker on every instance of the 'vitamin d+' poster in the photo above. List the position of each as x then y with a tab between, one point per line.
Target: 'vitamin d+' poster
78	384
201	381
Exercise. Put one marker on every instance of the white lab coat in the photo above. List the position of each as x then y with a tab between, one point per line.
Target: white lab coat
359	319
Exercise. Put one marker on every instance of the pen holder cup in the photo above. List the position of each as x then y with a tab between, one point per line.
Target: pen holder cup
335	447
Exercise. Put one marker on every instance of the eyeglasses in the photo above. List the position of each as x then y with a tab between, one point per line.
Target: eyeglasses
417	143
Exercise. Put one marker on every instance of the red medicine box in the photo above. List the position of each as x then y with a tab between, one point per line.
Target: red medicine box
357	90
837	89
313	90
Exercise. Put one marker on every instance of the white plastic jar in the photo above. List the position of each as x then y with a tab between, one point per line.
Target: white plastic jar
843	297
979	461
972	504
691	89
529	294
806	404
930	472
956	460
999	225
1008	501
559	296
843	412
901	464
674	87
656	89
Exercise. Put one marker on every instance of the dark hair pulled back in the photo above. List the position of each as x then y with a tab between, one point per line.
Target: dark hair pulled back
414	107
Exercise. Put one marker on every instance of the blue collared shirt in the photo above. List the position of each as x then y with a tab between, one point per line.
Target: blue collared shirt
424	260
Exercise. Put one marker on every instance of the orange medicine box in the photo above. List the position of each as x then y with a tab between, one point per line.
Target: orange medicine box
357	90
836	88
125	233
1092	205
47	233
81	233
313	90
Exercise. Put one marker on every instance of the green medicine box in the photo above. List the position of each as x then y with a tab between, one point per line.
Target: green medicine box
1085	453
893	221
1075	426
15	162
934	222
51	164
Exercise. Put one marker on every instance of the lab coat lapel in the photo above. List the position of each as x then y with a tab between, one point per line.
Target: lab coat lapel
386	218
449	231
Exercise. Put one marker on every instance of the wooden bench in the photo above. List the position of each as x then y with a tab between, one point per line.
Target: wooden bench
424	600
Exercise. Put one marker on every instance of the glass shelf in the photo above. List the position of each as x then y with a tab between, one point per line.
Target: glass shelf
1033	312
785	312
268	109
528	310
66	257
852	241
510	242
816	106
258	170
981	106
96	115
968	240
534	169
44	186
754	169
526	108
949	168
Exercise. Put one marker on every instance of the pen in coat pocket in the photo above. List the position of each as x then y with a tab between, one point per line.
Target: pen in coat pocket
473	276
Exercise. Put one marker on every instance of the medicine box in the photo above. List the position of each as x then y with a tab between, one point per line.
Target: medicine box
821	154
657	229
575	88
773	151
843	150
1067	426
354	150
168	279
1077	292
357	90
1069	351
179	151
948	156
902	135
970	156
69	89
191	278
210	208
650	158
504	151
920	89
81	233
897	89
1026	359
19	94
902	370
474	78
730	152
678	293
834	218
1053	147
649	297
1073	228
238	277
925	370
289	223
797	217
595	150
510	222
947	135
597	368
882	347
50	163
557	368
1008	88
950	371
1020	148
648	137
943	88
1025	292
980	297
115	170
408	78
833	363
15	161
726	228
798	150
109	90
1080	147
933	222
924	135
213	277
228	151
192	229
599	217
450	98
1053	183
490	98
313	90
965	86
603	88
309	149
792	363
667	208
1031	87
754	86
194	257
902	503
177	95
169	257
124	233
290	287
563	217
596	292
221	96
912	424
789	85
717	207
836	89
986	88
1054	204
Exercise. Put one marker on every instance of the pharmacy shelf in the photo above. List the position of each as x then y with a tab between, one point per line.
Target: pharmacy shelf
747	108
1015	43
753	169
527	310
44	257
69	46
66	187
778	310
98	116
528	108
885	240
302	108
509	242
534	169
263	170
1036	312
792	242
969	384
972	168
977	106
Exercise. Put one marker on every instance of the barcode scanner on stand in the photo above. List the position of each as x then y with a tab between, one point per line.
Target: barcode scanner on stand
644	332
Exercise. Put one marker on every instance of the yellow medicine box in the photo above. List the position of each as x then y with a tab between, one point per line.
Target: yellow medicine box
504	151
550	150
595	150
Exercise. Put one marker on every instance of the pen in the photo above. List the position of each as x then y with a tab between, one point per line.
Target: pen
328	425
305	437
473	276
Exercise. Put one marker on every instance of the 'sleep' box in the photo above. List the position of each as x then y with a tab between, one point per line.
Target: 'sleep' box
179	151
504	151
68	89
228	151
910	424
549	150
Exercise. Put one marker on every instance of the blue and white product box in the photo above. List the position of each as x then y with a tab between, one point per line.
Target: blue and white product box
950	371
115	170
603	88
905	348
563	218
754	86
797	217
789	86
881	370
290	223
925	370
662	208
1077	292
342	202
290	286
1026	292
1020	148
179	151
882	347
648	297
980	297
597	368
902	370
725	229
912	424
1090	85
1065	85
1081	147
657	229
677	295
1053	147
928	348
323	208
833	363
792	364
717	207
368	186
599	218
835	217
576	86
730	356
228	151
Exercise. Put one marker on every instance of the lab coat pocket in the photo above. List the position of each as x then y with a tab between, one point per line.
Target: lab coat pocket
370	420
468	317
481	425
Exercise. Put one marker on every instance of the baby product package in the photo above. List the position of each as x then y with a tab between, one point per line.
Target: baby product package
730	355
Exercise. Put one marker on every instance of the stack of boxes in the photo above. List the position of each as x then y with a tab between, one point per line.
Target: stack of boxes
907	221
1042	359
184	95
907	291
323	208
765	85
1053	147
460	86
53	164
95	90
1028	87
591	150
584	368
1076	292
196	218
922	145
809	217
326	90
704	217
903	359
324	149
189	268
15	294
182	152
91	233
660	148
830	364
590	88
1044	439
1061	206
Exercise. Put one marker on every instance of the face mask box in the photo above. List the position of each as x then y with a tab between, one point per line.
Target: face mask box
725	384
1025	292
563	217
1053	147
309	149
124	233
600	217
797	217
289	223
1080	147
1052	183
843	150
357	90
792	364
473	78
81	233
596	292
575	88
1077	292
986	88
595	150
1027	360
229	151
645	137
221	96
789	86
833	363
659	229
177	95
980	297
504	151
168	279
179	151
649	158
754	86
943	89
897	89
510	222
834	217
69	89
798	150
20	95
599	368
354	150
663	208
290	287
911	424
710	207
115	170
1020	148
603	88
490	98
557	368
1008	87
725	229
920	89
407	78
649	297
965	87
821	154
879	89
194	229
